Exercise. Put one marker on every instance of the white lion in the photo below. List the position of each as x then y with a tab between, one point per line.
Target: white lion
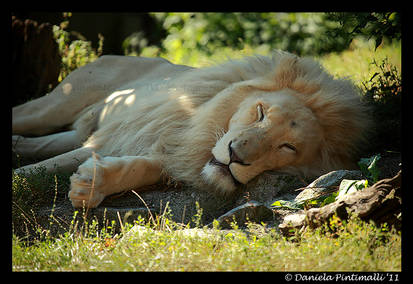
132	121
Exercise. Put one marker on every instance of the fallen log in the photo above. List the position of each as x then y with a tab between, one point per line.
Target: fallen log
380	203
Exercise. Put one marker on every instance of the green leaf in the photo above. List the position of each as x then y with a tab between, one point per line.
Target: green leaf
369	168
287	205
348	186
277	203
329	199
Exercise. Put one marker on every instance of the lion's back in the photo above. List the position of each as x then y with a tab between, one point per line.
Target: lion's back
131	119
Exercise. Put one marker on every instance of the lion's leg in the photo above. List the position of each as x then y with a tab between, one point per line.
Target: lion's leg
45	115
66	163
99	177
43	147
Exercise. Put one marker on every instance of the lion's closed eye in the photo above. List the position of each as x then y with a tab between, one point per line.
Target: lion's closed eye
260	112
287	147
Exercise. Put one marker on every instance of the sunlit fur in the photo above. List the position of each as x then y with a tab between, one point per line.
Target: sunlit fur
181	120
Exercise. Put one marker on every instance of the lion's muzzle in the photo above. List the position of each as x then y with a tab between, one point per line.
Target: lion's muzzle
234	158
224	169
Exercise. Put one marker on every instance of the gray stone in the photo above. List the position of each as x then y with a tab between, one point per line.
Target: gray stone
271	185
251	211
291	222
326	183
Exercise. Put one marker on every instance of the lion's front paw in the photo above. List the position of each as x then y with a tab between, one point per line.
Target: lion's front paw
86	185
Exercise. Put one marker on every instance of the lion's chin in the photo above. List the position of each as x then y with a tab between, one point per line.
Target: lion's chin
219	176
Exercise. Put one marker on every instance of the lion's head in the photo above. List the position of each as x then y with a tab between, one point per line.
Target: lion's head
281	113
295	119
269	131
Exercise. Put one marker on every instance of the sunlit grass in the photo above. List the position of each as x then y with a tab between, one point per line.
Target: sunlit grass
354	63
353	246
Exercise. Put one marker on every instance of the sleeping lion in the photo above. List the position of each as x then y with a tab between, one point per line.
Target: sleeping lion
131	121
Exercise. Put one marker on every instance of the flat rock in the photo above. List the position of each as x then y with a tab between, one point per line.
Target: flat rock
251	211
292	221
326	183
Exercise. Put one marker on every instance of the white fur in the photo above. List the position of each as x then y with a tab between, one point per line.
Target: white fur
212	175
179	118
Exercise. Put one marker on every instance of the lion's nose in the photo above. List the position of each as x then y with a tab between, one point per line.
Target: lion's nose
233	155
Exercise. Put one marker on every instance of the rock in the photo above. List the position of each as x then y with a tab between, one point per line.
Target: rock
269	186
326	183
291	222
323	185
251	211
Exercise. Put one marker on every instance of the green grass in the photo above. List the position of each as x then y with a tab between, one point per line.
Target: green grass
352	246
355	63
164	245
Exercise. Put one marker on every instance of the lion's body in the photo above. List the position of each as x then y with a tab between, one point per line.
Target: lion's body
186	123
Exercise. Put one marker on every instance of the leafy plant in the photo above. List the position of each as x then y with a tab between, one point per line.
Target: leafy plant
197	218
383	93
74	53
371	25
31	191
300	33
369	168
385	86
